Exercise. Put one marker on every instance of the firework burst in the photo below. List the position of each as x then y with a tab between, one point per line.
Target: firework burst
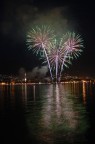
57	53
39	38
73	45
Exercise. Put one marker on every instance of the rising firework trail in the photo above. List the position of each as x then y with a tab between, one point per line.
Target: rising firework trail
40	39
72	47
56	56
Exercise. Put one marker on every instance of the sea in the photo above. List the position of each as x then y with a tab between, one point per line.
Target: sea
47	113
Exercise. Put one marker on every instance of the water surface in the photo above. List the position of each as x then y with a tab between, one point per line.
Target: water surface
48	113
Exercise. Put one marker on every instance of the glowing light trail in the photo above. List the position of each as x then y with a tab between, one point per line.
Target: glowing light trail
72	47
58	53
40	39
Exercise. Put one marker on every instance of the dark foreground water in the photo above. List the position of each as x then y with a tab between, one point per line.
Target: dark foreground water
47	113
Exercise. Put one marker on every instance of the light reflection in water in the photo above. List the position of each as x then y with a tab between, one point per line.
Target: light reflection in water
84	92
25	92
12	95
60	114
53	114
2	89
87	88
58	102
58	110
34	91
47	107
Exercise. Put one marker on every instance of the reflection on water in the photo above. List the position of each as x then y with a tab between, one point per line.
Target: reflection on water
62	117
84	92
48	113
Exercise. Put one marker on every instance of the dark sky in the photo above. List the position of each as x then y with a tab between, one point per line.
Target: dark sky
17	16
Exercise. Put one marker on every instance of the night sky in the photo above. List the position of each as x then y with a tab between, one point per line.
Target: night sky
16	17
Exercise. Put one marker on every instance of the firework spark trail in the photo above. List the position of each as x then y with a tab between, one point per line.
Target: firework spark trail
48	62
72	48
63	62
55	56
40	39
56	66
